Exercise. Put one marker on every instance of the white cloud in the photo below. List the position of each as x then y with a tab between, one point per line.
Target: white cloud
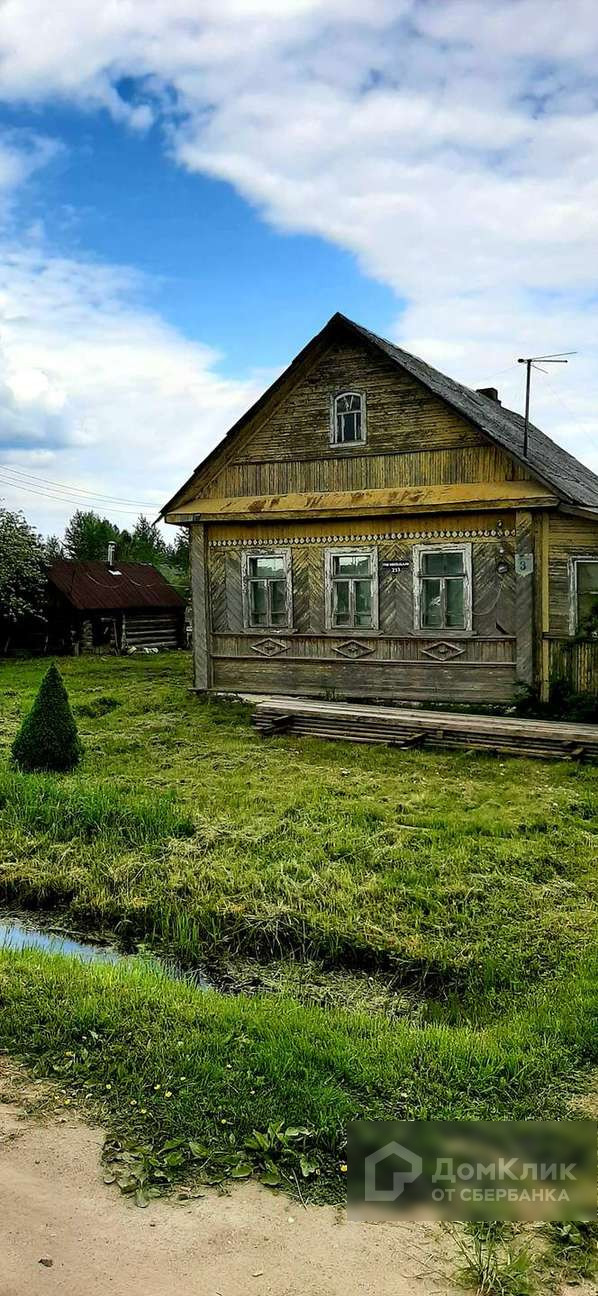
451	146
97	391
21	153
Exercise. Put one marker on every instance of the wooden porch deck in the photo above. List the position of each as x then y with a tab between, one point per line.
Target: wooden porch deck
400	727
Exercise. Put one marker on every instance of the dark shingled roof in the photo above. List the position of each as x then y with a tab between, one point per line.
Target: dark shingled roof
556	466
546	460
90	586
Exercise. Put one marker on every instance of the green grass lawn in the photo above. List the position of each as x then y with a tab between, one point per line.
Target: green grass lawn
467	882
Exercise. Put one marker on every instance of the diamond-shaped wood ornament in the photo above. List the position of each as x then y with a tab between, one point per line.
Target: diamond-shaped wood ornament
443	650
353	649
270	647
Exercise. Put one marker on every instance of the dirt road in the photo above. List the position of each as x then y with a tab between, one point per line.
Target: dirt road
54	1207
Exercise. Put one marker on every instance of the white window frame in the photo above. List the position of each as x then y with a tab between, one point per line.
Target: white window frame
350	551
334	440
267	552
418	553
573	613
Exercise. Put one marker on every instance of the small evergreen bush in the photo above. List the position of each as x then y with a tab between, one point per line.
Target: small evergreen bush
48	738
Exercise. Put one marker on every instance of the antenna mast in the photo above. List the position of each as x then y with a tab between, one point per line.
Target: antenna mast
533	362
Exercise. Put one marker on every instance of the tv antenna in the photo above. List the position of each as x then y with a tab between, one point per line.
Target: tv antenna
533	362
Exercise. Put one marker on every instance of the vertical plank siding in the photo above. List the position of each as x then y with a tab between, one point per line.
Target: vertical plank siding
575	661
201	612
413	438
569	537
346	472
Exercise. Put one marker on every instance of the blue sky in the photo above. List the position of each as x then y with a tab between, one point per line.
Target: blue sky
213	268
189	189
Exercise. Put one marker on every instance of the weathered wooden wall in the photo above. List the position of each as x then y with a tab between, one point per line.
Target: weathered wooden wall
569	537
576	662
277	480
413	438
152	629
421	681
396	660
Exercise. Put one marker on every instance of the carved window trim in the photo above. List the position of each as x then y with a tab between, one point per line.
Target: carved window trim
335	415
351	551
267	552
419	551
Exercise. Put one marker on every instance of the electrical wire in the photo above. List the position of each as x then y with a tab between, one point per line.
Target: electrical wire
571	413
45	481
66	499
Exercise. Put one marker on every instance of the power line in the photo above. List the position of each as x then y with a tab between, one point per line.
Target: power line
65	499
572	414
77	490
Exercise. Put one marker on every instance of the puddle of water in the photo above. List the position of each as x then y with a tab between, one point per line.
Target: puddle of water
16	934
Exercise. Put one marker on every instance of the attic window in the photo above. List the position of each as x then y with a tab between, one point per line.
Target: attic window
348	418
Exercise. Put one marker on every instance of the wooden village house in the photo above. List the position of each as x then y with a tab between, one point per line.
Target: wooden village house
373	529
112	607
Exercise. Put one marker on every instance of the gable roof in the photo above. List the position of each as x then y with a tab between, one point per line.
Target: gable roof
546	460
91	586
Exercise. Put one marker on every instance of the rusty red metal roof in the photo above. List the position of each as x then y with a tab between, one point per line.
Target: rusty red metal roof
93	585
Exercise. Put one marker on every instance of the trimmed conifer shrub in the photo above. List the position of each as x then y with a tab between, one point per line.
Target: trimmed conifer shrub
48	738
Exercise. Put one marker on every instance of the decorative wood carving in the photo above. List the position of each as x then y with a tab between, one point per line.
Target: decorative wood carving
270	647
444	650
353	649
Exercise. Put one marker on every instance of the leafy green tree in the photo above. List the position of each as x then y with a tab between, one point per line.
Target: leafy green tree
53	549
48	738
178	550
88	535
144	544
175	567
22	575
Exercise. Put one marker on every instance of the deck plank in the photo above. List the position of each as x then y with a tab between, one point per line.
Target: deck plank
405	726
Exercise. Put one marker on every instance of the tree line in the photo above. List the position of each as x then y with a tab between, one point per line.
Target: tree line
25	558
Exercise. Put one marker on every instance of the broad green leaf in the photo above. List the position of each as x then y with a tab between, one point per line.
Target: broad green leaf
241	1171
198	1149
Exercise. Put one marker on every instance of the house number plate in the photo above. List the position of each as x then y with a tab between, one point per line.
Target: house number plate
524	564
396	566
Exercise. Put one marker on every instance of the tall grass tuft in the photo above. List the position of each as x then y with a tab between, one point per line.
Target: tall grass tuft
42	804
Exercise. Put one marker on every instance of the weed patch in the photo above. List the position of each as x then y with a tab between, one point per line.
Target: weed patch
462	884
98	707
264	1082
42	804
